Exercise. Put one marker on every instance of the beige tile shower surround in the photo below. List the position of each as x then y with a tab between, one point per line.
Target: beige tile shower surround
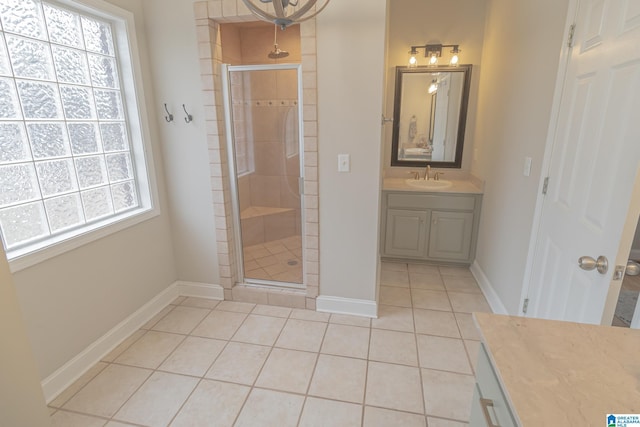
209	15
207	363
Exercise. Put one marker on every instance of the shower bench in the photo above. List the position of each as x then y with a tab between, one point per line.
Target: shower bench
262	224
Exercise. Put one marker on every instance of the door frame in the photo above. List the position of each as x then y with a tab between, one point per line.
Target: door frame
624	245
233	178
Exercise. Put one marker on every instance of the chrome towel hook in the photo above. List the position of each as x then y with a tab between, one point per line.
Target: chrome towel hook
189	117
169	116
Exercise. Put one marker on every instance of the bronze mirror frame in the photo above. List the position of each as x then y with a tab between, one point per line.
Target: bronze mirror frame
462	121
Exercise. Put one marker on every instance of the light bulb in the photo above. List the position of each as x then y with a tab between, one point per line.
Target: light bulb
413	62
433	60
455	57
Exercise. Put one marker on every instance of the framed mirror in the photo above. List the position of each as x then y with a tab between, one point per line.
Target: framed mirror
429	116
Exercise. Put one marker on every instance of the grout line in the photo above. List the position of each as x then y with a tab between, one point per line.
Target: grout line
153	371
73	411
415	340
313	372
186	400
402	411
366	379
253	385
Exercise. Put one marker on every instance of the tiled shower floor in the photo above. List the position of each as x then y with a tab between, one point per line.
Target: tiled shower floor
209	363
278	260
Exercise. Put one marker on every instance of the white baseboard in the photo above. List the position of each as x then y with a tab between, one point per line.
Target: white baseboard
487	289
354	307
634	254
200	290
63	377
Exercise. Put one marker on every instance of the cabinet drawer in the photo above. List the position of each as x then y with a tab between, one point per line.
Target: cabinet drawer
428	201
489	388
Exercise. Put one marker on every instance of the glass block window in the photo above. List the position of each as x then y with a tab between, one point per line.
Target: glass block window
66	160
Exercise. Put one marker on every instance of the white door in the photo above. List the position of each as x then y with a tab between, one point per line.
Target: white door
595	158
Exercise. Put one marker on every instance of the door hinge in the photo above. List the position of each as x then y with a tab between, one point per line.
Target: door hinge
545	185
572	31
386	120
525	305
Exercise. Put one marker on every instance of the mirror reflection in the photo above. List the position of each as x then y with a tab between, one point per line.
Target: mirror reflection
429	116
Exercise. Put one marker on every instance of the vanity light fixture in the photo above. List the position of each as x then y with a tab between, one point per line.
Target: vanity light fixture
433	52
285	12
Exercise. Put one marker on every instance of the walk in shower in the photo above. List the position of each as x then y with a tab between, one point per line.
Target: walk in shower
263	116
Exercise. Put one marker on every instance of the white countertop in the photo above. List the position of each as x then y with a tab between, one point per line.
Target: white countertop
468	186
563	373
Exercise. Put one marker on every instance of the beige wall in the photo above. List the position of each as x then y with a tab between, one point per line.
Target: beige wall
520	61
418	22
71	300
175	77
350	114
21	400
351	40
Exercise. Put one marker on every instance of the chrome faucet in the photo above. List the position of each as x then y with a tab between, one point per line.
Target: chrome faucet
427	173
437	175
416	175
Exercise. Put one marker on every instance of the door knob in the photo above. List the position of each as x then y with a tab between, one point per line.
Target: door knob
633	269
588	263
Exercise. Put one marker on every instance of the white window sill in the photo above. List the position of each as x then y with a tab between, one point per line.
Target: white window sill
20	259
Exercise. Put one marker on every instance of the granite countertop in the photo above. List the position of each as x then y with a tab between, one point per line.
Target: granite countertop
468	186
563	373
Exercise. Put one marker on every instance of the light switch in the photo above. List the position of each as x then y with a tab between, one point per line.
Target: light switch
344	163
527	166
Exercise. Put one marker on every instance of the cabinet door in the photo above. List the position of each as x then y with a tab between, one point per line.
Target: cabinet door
405	233
450	235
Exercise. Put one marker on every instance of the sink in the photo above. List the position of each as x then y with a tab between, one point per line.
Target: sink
429	185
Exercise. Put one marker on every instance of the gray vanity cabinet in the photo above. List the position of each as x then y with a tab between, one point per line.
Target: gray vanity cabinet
450	235
430	226
406	233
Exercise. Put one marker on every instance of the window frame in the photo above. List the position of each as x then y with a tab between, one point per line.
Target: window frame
135	111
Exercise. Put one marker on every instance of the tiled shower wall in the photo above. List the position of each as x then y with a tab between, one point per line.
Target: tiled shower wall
209	15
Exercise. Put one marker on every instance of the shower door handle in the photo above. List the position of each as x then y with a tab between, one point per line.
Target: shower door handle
587	263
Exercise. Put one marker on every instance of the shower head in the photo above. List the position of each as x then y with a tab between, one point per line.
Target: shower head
276	53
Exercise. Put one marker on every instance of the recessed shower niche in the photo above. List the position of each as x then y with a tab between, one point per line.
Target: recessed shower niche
262	82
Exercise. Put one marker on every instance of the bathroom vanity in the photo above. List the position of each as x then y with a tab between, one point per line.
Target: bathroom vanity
429	221
534	372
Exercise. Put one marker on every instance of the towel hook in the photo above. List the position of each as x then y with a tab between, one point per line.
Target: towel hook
169	116
189	117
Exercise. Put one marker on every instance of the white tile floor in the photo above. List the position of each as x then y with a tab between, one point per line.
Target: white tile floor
208	363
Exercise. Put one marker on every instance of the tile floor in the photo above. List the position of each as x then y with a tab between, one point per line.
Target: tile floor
209	363
278	260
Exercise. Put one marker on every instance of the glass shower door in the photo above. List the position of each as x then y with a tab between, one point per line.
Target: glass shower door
265	132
